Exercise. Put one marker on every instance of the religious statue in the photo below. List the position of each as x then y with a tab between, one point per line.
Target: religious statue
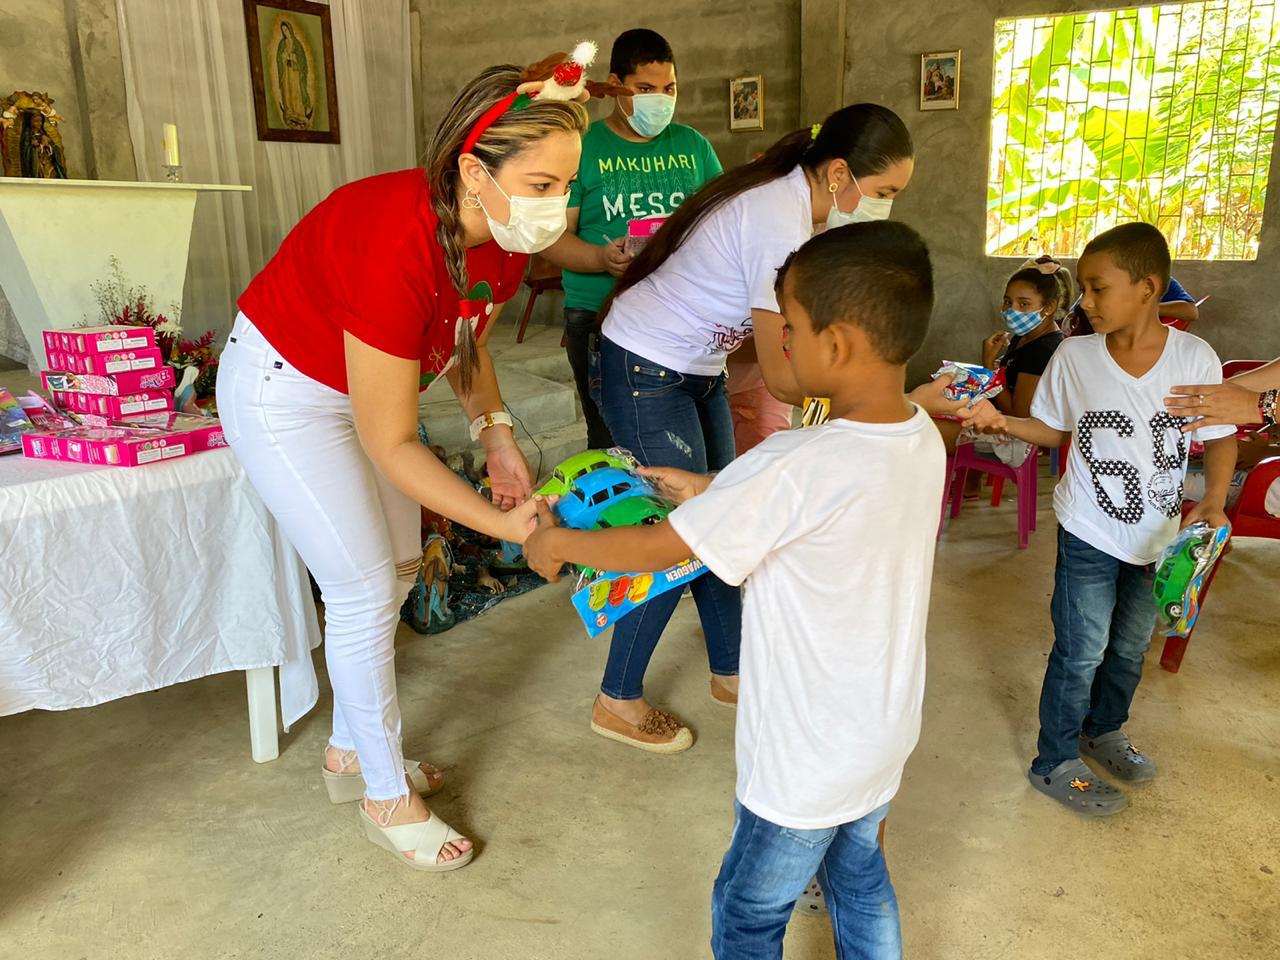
30	143
292	69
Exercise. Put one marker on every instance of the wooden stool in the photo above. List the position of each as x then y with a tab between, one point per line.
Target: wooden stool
541	277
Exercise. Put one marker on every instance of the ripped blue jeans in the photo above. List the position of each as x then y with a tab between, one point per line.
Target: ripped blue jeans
668	419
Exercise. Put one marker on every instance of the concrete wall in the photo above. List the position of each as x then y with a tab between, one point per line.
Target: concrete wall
70	49
713	41
947	199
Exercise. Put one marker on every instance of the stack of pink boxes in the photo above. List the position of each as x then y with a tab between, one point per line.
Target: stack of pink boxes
114	382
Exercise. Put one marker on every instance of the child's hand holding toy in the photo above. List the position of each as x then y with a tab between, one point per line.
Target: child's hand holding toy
1211	513
675	484
539	548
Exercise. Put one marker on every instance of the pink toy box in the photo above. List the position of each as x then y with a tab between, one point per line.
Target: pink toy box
90	340
640	231
113	408
168	437
111	385
104	364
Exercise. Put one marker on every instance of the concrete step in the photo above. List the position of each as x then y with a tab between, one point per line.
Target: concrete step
542	405
537	386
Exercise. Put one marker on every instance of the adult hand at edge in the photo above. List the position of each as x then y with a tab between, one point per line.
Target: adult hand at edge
1214	404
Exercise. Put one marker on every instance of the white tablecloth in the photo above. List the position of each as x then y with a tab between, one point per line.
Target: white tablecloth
116	580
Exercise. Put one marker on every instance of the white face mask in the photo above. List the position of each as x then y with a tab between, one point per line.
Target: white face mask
868	209
535	222
651	113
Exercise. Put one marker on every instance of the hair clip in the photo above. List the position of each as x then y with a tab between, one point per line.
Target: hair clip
1049	267
814	131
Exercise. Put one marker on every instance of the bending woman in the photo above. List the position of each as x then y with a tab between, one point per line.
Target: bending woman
388	284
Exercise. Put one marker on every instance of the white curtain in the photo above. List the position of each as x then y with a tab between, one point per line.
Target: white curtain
186	62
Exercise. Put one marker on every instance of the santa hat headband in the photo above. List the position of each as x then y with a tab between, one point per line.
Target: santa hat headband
561	76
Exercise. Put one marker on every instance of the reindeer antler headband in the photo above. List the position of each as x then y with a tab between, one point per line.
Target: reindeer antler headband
561	76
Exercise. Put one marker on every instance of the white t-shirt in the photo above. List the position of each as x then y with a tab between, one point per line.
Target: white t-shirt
833	530
695	309
1123	490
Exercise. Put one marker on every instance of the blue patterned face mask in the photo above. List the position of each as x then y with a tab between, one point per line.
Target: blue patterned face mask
1019	322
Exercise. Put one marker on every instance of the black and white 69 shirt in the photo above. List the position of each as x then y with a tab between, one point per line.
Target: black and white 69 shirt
1123	489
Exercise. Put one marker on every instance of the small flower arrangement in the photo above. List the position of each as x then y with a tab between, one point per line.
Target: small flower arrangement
121	303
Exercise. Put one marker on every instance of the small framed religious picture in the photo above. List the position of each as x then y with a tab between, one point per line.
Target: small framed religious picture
291	60
940	80
746	103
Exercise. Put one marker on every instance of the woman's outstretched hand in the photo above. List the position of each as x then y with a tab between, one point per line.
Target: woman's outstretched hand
1214	404
539	549
509	475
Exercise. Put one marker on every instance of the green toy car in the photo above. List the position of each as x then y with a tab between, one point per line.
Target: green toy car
580	464
1181	572
633	512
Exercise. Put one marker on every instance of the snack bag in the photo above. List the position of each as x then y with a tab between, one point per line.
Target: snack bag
1181	572
970	382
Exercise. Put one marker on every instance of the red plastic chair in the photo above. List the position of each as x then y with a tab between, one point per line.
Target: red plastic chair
1024	479
1249	518
1233	368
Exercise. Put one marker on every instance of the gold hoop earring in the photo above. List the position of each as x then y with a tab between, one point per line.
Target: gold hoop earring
832	188
471	200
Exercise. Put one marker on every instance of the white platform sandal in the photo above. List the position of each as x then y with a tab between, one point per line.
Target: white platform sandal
346	787
425	839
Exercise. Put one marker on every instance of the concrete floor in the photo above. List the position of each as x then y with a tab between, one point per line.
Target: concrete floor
142	828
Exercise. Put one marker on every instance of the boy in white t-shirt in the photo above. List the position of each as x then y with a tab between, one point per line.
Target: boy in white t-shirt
832	529
1118	506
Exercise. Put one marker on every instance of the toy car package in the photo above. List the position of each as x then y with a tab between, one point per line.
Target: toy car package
1181	572
970	382
601	489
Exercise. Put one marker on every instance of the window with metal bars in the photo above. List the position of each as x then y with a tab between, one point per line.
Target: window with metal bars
1163	113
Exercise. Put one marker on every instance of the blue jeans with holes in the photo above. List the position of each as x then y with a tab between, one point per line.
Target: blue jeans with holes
1103	615
766	869
668	419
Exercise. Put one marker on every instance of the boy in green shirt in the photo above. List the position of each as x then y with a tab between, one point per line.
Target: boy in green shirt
635	164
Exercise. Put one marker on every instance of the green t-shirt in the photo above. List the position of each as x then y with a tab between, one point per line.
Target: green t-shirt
620	181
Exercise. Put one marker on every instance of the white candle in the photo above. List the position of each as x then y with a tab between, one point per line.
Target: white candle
170	145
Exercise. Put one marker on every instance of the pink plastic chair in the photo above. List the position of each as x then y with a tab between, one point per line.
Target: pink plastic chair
1024	479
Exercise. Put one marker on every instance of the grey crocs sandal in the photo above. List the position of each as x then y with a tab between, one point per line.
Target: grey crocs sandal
1074	785
1114	751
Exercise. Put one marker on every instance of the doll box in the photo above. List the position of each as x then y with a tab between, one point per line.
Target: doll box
91	340
110	385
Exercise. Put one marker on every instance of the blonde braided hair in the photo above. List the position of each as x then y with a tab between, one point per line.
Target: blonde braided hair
510	134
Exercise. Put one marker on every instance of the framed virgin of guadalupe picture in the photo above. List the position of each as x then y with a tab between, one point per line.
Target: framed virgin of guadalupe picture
291	60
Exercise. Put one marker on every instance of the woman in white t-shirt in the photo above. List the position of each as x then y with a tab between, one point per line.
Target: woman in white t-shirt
702	286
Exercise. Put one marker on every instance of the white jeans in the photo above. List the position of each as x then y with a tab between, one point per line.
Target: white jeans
359	535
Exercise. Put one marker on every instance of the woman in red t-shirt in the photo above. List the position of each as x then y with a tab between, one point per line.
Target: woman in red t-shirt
388	284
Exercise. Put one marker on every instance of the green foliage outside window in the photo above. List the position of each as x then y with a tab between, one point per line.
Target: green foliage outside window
1159	113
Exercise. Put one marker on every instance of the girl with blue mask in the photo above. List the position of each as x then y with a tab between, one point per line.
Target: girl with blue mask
1035	298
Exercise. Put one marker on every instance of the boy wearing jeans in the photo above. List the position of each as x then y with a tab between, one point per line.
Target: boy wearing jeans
1118	506
832	529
